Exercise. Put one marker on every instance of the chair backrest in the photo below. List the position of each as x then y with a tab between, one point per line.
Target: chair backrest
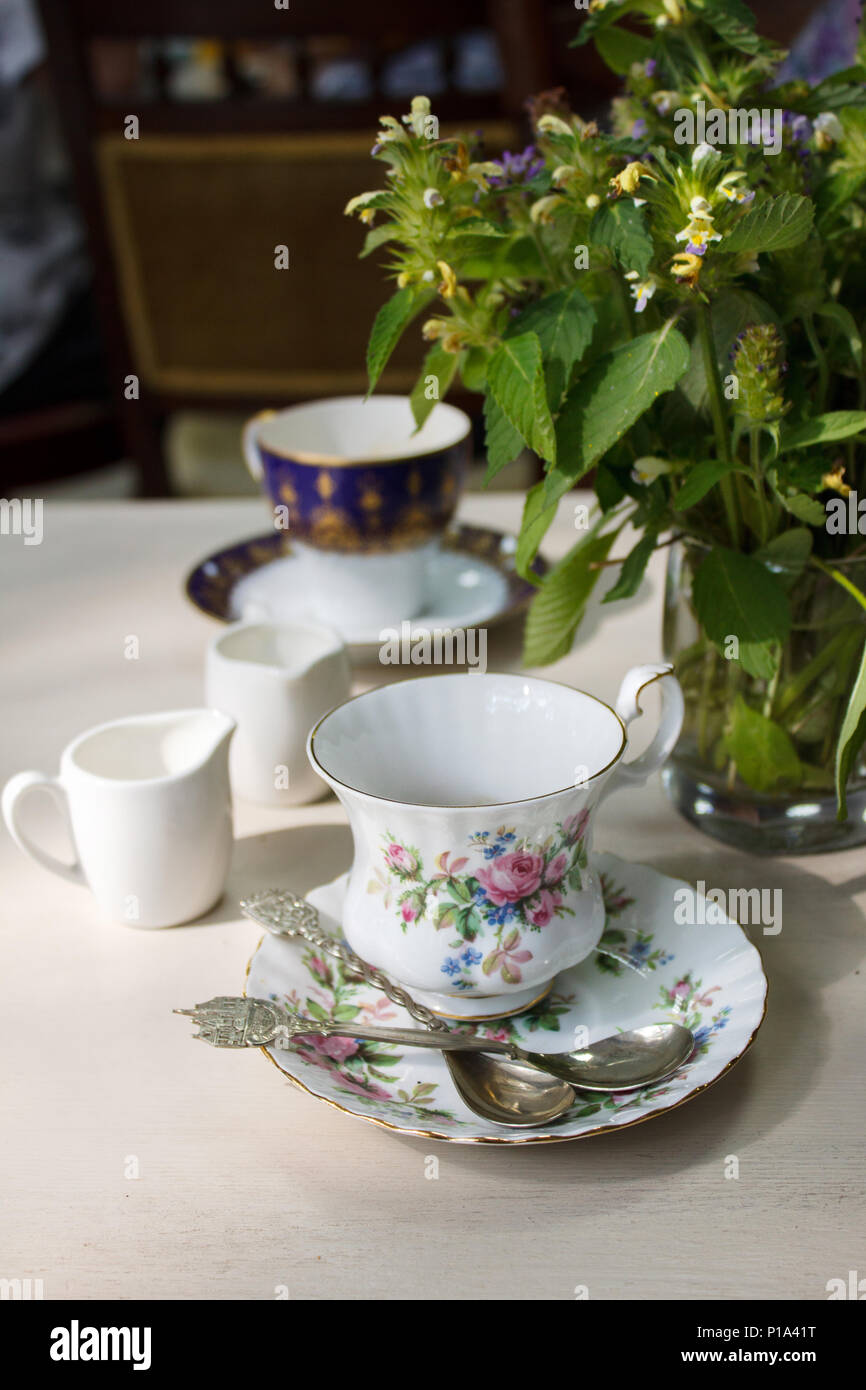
185	220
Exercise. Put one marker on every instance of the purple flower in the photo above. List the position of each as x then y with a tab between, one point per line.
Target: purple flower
650	67
517	168
801	128
639	128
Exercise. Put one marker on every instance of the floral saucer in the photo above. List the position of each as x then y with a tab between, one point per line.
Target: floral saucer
653	965
473	582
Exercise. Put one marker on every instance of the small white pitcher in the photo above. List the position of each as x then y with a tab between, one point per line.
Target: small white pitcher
147	805
276	680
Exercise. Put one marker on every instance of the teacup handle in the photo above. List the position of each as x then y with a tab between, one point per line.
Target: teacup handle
13	794
250	443
636	680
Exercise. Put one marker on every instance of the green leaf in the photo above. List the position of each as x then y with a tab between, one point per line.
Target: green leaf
790	549
378	236
344	1013
622	228
439	364
614	393
699	481
522	258
851	736
633	567
599	19
837	191
804	508
479	226
760	659
735	23
316	1011
560	603
473	368
765	756
845	321
383	1075
501	440
772	225
845	88
516	378
734	595
538	514
388	326
620	49
824	429
563	323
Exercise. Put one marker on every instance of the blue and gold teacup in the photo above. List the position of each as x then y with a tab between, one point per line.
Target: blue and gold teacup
368	498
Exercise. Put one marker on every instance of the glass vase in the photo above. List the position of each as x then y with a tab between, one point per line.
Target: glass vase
775	812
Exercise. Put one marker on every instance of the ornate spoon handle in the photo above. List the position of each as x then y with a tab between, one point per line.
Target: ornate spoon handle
285	914
240	1021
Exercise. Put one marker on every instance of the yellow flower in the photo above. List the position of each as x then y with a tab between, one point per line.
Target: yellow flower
686	268
392	131
452	342
404	278
433	329
448	287
360	201
419	115
628	181
553	125
835	481
542	211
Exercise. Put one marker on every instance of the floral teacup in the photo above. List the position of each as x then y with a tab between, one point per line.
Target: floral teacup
470	799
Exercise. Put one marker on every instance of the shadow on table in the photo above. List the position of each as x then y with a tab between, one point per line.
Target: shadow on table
299	858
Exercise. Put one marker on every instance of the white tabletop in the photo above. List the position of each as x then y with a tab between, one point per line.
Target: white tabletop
245	1185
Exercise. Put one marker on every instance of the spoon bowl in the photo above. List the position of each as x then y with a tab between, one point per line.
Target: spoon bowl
508	1091
623	1062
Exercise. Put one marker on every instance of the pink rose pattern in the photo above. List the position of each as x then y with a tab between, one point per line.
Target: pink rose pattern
515	888
361	1068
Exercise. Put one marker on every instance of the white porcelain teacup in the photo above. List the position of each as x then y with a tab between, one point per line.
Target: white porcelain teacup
275	680
470	799
147	805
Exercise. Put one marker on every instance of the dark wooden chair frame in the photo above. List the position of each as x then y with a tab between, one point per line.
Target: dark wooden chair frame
72	25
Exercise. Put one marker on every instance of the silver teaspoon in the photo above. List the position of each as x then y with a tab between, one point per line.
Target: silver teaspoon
626	1061
623	1062
502	1090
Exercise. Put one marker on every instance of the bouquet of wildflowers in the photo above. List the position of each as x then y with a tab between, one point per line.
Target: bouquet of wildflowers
675	304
